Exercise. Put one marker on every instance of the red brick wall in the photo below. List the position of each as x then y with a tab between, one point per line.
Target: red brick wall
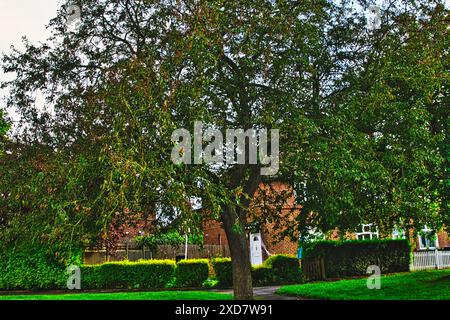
444	239
285	218
213	233
277	246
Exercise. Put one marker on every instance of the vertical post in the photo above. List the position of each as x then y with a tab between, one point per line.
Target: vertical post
436	254
186	247
127	241
322	269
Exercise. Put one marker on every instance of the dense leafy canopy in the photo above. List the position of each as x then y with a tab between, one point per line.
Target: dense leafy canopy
362	114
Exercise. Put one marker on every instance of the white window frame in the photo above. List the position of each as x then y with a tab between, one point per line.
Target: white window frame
423	246
370	233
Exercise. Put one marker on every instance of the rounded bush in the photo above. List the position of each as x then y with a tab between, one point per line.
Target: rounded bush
223	271
278	269
191	273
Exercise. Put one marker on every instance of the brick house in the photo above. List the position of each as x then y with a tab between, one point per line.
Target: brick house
265	241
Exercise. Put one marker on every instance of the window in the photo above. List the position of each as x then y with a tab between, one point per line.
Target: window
368	232
428	239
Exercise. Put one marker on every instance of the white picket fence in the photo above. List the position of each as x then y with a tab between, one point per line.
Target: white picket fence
430	260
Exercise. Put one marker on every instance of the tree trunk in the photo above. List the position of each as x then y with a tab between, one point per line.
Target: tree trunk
234	225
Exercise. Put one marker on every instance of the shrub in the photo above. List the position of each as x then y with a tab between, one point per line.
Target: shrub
278	269
144	274
223	271
285	268
351	258
210	283
262	276
35	269
191	273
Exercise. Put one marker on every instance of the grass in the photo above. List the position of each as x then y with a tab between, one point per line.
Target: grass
161	295
419	285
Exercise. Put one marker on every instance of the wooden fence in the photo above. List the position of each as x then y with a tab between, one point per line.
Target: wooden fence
162	252
430	260
313	269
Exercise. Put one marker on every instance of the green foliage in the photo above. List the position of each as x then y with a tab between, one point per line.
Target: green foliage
285	268
191	273
277	269
363	132
144	274
210	283
173	238
263	276
4	127
33	269
223	271
154	240
351	258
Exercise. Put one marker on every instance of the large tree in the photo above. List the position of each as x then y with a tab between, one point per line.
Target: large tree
361	137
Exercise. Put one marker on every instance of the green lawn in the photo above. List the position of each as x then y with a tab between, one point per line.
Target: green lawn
161	295
420	285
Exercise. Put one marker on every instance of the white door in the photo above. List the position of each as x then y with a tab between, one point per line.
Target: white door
255	249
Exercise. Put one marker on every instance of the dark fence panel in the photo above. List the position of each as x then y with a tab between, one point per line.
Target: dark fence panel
313	269
162	252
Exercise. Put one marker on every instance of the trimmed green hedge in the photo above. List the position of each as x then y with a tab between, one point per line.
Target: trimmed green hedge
37	271
144	274
263	276
285	269
351	258
191	273
223	271
278	269
31	270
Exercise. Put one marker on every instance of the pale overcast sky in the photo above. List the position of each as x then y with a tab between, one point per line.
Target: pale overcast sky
20	18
